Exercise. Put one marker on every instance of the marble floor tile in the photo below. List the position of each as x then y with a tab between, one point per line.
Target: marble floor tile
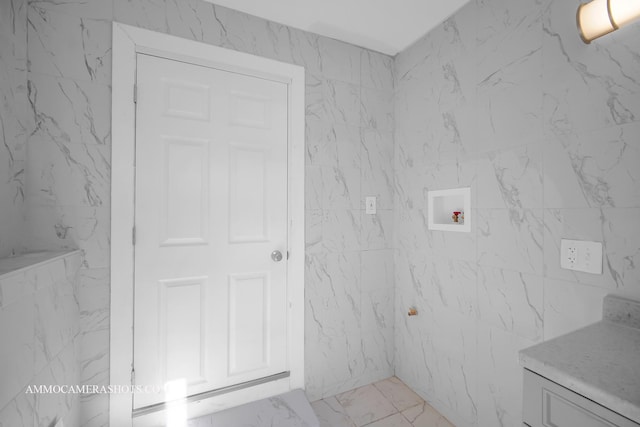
365	405
395	420
424	415
400	396
331	414
386	403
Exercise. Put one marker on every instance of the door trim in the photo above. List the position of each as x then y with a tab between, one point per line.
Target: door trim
128	41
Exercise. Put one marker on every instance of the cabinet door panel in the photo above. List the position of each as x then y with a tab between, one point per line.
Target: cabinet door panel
547	404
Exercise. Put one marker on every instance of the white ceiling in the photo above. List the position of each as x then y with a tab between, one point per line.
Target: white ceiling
387	26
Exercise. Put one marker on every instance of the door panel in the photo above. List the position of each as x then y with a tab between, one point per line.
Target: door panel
210	207
185	213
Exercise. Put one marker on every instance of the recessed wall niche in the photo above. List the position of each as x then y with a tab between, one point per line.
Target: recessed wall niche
449	210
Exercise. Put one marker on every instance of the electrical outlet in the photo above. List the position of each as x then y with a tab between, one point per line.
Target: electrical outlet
579	255
370	204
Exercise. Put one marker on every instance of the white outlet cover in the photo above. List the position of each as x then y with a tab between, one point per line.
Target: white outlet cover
370	203
581	255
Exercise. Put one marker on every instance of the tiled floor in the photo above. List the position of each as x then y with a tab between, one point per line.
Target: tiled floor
387	403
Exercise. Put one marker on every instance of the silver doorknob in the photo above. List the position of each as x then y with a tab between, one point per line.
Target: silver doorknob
276	256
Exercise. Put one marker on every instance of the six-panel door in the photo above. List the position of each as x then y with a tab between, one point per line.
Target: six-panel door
210	208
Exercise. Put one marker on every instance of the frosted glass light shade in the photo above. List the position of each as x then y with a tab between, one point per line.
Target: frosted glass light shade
600	17
624	11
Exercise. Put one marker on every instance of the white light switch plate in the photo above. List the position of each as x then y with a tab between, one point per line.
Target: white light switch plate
581	255
370	203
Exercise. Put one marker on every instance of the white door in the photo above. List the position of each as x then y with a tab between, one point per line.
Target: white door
210	209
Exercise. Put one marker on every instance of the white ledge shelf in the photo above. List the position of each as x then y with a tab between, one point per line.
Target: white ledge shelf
441	205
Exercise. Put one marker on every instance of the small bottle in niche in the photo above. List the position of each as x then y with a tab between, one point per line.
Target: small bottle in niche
456	217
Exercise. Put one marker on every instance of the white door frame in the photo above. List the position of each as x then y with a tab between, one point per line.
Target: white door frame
128	41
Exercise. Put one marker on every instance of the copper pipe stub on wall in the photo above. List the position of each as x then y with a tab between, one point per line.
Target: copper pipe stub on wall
412	311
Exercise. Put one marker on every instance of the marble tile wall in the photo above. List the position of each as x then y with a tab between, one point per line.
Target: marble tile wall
39	323
505	98
13	124
349	133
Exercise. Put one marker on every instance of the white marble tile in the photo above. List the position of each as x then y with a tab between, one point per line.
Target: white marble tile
332	363
94	410
365	405
341	177
149	14
395	420
71	227
457	246
318	146
50	407
286	410
412	275
313	187
191	19
56	321
410	105
511	301
94	9
453	335
17	331
411	230
509	105
499	377
341	230
239	31
506	30
377	230
94	299
414	352
13	136
377	270
330	275
400	396
335	317
510	239
69	111
331	414
459	173
68	46
377	167
313	231
569	306
15	287
456	387
376	70
378	354
18	412
376	109
93	358
424	415
511	178
453	284
587	87
13	28
378	311
339	60
66	174
618	231
593	169
332	101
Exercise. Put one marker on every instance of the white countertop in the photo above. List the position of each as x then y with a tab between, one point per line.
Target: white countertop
15	264
601	362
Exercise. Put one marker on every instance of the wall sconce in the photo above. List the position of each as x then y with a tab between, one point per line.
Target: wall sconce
600	17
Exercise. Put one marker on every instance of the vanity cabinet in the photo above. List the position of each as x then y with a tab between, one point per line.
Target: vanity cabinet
547	404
